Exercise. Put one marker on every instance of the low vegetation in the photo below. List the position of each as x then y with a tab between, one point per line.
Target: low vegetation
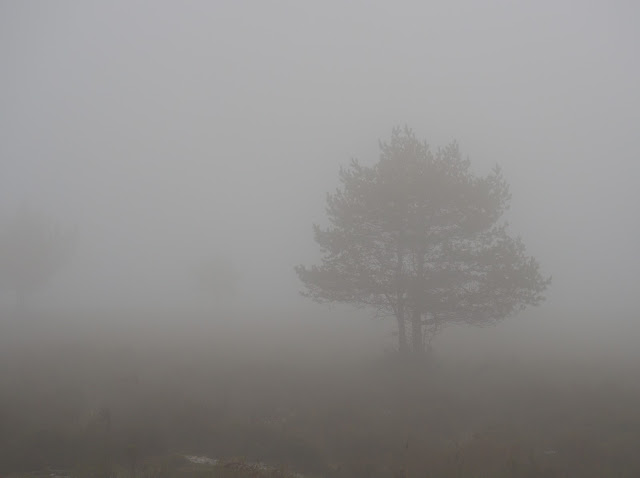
136	404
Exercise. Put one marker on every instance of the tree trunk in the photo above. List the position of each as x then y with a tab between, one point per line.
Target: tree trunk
417	343
403	346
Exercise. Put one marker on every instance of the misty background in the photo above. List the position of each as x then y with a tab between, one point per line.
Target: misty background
169	133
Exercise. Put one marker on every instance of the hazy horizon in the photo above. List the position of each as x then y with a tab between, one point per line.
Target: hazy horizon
170	133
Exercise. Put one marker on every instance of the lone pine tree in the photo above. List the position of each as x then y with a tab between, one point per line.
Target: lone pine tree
419	237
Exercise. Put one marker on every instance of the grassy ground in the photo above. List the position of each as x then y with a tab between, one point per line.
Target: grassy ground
102	404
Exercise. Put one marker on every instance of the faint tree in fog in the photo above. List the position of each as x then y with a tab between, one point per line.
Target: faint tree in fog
32	251
418	237
216	278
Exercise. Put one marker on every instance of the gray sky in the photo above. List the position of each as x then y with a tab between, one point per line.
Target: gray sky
172	131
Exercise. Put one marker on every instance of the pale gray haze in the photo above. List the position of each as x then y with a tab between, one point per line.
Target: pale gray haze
169	133
162	167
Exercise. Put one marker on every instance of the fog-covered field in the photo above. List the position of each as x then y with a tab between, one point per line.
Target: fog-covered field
338	239
315	394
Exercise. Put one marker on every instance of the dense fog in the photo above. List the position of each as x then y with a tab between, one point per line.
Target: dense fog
167	133
173	136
